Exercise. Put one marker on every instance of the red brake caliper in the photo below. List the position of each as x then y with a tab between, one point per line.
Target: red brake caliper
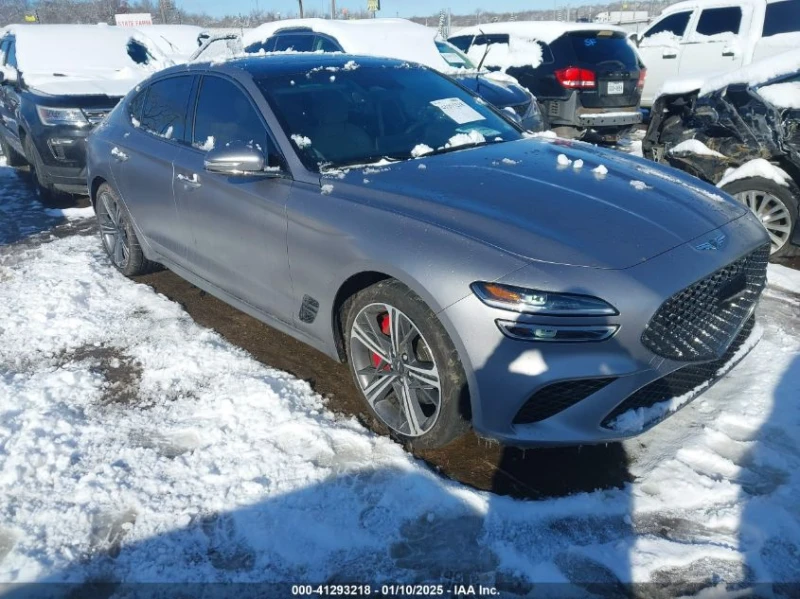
385	324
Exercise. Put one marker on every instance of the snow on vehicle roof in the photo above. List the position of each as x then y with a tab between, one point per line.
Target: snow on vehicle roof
541	31
394	38
173	40
80	49
690	4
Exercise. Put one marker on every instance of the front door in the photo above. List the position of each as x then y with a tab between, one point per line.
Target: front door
238	222
715	45
661	47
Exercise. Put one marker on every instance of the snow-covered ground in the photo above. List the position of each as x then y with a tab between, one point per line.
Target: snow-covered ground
136	445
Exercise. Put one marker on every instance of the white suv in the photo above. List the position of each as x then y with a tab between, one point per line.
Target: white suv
698	38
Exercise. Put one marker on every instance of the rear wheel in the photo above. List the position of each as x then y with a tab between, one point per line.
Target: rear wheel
13	158
775	205
405	366
117	234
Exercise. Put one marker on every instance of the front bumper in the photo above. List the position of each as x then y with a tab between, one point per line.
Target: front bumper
506	376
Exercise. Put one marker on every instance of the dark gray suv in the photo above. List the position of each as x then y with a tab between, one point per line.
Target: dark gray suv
541	291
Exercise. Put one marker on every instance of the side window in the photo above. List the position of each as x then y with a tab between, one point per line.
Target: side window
782	17
714	21
674	24
165	106
296	42
326	44
11	55
135	107
265	46
225	115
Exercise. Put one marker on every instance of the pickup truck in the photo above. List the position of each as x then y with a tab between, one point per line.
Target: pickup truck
696	39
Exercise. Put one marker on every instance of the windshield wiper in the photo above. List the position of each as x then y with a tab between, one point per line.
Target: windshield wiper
365	161
474	144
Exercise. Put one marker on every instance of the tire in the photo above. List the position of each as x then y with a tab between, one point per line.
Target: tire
117	234
44	188
13	158
427	355
763	196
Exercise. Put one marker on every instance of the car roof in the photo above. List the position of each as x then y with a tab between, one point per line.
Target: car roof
691	4
542	31
398	38
291	63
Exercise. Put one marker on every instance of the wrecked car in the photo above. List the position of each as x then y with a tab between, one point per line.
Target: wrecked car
741	132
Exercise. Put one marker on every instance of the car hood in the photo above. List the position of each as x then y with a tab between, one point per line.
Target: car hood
529	198
102	83
499	93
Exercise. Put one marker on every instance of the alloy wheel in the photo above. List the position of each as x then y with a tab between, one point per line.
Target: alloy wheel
396	370
772	212
113	230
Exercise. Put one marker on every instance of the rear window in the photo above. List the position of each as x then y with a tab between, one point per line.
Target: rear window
782	17
598	47
295	43
714	21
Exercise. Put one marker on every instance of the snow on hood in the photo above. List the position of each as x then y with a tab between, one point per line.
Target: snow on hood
459	191
96	55
114	84
753	74
782	95
394	38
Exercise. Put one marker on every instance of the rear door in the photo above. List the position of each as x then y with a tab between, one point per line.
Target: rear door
716	43
661	48
142	162
238	222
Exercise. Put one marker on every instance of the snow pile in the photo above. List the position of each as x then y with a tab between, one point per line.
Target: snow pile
562	160
301	141
756	168
71	213
421	150
782	95
600	170
781	277
519	52
694	146
326	189
756	73
639	185
465	139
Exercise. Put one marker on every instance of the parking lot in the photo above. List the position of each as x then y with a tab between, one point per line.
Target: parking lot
150	432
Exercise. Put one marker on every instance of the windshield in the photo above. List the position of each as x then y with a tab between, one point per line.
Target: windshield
360	115
454	57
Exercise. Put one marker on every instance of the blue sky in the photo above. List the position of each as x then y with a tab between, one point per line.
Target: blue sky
390	8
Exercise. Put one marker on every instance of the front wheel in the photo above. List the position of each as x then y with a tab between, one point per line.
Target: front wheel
405	366
775	205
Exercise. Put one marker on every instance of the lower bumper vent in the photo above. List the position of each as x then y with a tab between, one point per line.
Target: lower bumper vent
552	399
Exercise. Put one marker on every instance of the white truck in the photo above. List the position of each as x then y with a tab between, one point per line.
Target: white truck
697	39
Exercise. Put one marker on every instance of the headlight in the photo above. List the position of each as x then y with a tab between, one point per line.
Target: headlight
61	116
507	297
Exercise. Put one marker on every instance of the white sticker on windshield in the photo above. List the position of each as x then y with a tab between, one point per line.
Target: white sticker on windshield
458	110
453	59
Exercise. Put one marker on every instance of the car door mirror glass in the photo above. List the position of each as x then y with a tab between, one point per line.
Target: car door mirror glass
237	160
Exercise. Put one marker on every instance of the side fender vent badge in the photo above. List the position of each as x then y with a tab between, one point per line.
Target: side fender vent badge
309	309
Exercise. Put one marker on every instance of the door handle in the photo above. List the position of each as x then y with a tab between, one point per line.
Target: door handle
118	154
728	52
669	54
192	181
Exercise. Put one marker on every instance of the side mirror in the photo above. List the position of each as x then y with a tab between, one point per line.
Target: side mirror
237	160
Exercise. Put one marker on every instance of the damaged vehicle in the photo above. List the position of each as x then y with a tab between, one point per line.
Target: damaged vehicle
741	132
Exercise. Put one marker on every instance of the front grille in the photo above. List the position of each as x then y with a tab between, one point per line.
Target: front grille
700	322
552	399
96	115
682	381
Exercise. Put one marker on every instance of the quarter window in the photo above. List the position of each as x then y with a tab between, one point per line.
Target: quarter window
714	21
165	106
225	115
674	24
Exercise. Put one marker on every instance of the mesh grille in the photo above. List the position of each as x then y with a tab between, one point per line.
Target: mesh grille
555	398
682	381
699	322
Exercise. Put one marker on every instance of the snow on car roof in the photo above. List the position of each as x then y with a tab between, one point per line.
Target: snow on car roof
542	31
178	40
79	49
395	38
689	4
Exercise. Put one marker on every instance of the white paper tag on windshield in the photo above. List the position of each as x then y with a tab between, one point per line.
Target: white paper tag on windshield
458	110
452	58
